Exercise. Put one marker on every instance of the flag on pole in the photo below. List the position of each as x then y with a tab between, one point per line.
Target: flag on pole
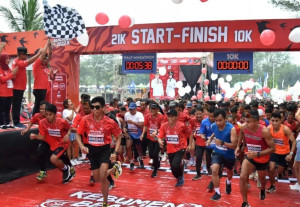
282	84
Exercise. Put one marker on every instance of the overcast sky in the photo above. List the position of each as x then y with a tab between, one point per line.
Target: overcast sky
156	11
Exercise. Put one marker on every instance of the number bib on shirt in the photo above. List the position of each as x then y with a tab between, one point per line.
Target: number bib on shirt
96	138
172	139
254	147
54	132
221	147
198	131
279	142
133	131
10	84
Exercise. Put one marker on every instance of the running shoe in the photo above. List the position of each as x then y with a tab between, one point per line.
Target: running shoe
105	205
251	177
262	195
72	172
141	162
4	127
118	170
42	175
73	162
271	189
20	125
112	185
131	166
210	187
197	177
295	187
245	204
215	197
92	180
150	162
228	187
154	174
66	175
164	157
191	161
180	182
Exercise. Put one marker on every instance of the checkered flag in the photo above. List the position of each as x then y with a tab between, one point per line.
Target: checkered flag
62	22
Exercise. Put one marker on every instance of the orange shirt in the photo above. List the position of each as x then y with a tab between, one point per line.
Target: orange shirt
195	127
21	77
5	89
281	141
40	74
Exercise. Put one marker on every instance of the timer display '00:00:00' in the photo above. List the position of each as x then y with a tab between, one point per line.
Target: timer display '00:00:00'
233	65
138	65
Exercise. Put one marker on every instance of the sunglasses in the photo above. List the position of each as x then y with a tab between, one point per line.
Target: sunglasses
95	107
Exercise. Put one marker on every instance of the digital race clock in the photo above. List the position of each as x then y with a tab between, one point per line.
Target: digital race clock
233	62
139	63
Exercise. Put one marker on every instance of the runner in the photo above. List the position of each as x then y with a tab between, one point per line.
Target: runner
281	135
135	123
55	131
99	129
153	122
259	144
223	154
176	134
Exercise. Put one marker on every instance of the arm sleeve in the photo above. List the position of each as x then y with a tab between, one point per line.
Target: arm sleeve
22	63
42	129
202	128
76	121
141	117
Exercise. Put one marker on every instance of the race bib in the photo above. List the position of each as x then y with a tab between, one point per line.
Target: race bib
198	131
54	132
96	138
279	142
254	147
133	131
172	139
221	147
10	84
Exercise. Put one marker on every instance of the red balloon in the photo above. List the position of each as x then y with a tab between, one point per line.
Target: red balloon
204	70
199	97
259	91
268	90
125	21
267	37
225	98
213	97
288	97
102	18
206	82
223	91
194	97
206	98
203	1
200	93
264	88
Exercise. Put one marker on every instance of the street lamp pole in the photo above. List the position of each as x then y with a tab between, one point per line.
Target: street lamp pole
273	72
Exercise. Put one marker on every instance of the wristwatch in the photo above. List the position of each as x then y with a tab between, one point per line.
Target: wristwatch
258	154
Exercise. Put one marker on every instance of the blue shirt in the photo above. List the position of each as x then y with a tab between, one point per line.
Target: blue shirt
207	131
223	135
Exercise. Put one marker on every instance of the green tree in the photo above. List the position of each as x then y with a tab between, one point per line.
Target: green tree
24	16
288	5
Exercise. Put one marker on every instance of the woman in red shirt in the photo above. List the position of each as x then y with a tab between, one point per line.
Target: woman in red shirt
6	90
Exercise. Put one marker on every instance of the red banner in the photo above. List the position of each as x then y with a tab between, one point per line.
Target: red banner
59	91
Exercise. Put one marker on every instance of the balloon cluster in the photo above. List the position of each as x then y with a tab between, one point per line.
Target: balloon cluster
125	21
267	37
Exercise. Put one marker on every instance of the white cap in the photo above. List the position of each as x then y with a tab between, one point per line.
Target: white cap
260	112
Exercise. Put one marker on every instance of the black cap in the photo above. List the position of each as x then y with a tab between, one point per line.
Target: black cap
173	104
172	112
22	50
154	105
129	99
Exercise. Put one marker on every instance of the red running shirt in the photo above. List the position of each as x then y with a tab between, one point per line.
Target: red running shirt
36	118
153	124
75	124
195	127
21	78
6	89
175	136
40	74
55	132
98	133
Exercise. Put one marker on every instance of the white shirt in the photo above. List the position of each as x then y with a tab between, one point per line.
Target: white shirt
66	113
158	88
137	118
171	85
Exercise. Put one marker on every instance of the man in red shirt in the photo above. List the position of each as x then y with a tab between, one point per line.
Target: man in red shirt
153	121
43	147
176	134
20	82
55	131
41	76
99	130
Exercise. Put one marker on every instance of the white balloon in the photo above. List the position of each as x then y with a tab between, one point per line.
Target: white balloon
229	78
83	39
162	71
244	85
179	84
177	1
258	96
228	95
250	84
181	91
188	89
218	97
280	101
221	80
295	35
241	97
242	93
214	76
237	87
226	87
247	100
273	91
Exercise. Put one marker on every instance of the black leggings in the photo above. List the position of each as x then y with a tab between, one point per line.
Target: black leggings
176	163
199	156
40	95
154	153
5	104
208	152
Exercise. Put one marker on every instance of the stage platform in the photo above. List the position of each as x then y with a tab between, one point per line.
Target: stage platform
135	188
